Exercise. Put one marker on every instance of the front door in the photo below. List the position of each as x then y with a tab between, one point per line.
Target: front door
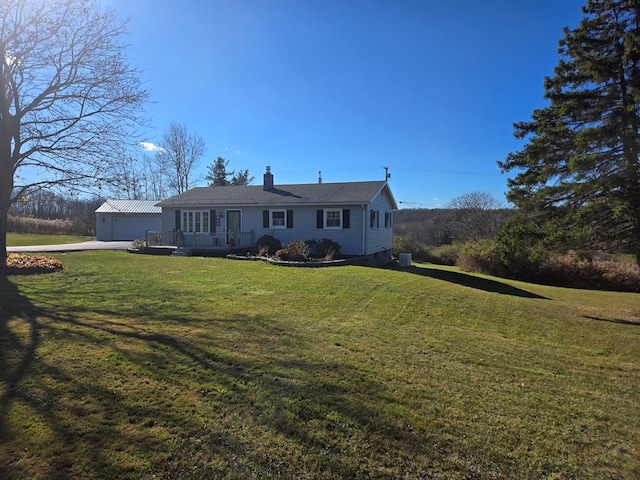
233	227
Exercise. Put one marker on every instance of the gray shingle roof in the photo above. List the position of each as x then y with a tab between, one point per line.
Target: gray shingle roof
298	194
129	206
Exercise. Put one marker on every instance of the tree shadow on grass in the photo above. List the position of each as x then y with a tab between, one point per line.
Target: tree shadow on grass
620	321
88	413
19	332
19	339
471	281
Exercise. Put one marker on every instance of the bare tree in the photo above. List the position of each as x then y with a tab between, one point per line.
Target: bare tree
141	175
475	215
178	154
155	178
131	176
67	96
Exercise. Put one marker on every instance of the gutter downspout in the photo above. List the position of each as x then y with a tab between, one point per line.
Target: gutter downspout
364	230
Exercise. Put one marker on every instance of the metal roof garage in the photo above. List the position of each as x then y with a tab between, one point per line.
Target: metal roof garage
118	220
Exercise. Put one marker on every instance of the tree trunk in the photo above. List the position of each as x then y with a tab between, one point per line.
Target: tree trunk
5	203
6	187
636	246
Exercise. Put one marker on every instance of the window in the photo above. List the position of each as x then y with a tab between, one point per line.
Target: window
375	218
333	219
388	217
195	221
278	218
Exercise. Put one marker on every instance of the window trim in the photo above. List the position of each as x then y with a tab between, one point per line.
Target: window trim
188	218
284	215
326	219
374	221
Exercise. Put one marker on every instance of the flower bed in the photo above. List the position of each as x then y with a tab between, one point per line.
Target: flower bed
316	262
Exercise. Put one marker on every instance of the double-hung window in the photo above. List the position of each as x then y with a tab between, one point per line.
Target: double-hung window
333	218
278	218
375	219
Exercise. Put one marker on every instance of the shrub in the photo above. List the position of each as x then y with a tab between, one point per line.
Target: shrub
570	271
420	252
403	244
524	246
268	245
444	254
482	256
295	251
324	248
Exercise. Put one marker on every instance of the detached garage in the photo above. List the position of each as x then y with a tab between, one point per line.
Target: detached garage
118	220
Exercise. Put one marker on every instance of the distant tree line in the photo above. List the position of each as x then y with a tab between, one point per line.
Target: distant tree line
78	214
471	216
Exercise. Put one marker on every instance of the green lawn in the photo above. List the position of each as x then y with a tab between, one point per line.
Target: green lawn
132	366
28	239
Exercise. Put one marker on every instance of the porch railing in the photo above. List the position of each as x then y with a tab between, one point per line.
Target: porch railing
222	240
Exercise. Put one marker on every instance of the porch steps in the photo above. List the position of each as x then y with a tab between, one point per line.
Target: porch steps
182	252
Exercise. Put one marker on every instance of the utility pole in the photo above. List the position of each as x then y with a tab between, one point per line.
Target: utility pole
387	175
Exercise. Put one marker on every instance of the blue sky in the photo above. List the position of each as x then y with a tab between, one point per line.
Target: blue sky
429	89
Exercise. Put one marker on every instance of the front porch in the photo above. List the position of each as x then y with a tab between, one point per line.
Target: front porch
200	243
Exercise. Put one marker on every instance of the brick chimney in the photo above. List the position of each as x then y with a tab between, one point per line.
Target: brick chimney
268	180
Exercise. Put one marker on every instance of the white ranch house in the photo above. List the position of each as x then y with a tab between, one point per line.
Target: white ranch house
219	220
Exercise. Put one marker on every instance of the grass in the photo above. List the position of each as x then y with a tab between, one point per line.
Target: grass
135	366
29	239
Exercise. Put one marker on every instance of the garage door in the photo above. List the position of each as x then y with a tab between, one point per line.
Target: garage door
132	228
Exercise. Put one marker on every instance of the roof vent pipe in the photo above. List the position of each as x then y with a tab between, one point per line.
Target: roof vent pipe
319	176
268	180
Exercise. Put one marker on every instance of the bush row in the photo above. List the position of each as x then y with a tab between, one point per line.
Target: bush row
567	271
297	250
440	255
575	269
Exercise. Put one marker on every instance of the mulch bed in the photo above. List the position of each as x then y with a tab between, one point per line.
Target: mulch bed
18	264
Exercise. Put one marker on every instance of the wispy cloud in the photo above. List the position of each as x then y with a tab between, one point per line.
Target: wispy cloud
230	149
151	147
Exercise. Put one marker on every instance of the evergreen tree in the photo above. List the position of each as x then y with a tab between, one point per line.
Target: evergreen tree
579	171
217	173
241	178
218	176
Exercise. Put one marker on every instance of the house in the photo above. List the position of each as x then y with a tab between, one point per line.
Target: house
127	219
356	215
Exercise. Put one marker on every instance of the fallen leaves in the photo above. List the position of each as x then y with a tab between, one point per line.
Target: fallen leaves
28	264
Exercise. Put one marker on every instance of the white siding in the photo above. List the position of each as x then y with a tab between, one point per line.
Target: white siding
380	237
305	227
118	227
358	239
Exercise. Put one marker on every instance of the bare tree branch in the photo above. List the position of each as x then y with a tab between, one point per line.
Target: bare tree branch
68	97
178	155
